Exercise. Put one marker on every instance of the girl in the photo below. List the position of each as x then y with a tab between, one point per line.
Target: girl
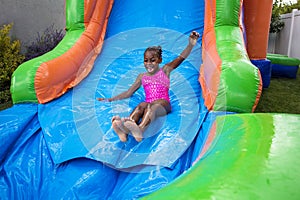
156	83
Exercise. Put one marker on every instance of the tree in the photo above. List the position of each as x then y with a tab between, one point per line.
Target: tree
280	8
288	8
276	24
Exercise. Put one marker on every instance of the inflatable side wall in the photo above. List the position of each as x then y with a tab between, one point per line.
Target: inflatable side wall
228	79
244	160
51	75
256	21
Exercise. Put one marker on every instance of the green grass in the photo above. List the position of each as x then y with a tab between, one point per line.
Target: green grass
282	96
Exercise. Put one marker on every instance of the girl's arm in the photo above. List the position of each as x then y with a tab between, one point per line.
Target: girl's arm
184	54
124	95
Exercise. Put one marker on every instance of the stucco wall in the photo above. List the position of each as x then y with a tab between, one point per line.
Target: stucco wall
32	16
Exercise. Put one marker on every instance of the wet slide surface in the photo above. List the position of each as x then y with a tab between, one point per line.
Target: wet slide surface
117	67
71	134
90	120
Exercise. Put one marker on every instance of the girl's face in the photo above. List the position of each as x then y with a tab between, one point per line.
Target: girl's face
151	62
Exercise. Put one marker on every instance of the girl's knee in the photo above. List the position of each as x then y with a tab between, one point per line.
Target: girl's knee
142	105
140	109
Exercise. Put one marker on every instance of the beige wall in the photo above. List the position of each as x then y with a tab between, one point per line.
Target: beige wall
32	16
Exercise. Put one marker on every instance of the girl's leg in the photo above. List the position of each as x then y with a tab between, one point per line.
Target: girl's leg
138	112
117	122
153	110
118	127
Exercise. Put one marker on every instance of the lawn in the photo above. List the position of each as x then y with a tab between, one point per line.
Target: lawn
282	96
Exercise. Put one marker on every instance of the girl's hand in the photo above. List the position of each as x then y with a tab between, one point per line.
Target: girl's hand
193	38
103	99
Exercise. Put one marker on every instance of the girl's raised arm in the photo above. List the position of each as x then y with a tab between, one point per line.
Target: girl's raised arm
184	54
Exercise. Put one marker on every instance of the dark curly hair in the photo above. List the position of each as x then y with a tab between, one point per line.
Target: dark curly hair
157	50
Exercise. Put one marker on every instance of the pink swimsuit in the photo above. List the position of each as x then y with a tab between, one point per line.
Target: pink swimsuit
156	86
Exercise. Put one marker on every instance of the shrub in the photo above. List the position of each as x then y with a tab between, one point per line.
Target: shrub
44	42
276	24
10	59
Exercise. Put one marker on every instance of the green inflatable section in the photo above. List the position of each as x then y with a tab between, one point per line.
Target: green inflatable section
253	156
240	80
22	85
282	60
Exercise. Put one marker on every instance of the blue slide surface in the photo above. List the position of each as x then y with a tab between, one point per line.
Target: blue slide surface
66	149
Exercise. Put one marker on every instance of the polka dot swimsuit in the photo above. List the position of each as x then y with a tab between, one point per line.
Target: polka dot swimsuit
156	86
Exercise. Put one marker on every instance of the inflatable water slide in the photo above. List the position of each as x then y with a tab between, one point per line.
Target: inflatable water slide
57	141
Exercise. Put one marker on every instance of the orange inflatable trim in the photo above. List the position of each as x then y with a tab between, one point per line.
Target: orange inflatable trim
257	24
55	77
211	68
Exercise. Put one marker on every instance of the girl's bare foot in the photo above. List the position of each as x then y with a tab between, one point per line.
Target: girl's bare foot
117	125
121	125
134	129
